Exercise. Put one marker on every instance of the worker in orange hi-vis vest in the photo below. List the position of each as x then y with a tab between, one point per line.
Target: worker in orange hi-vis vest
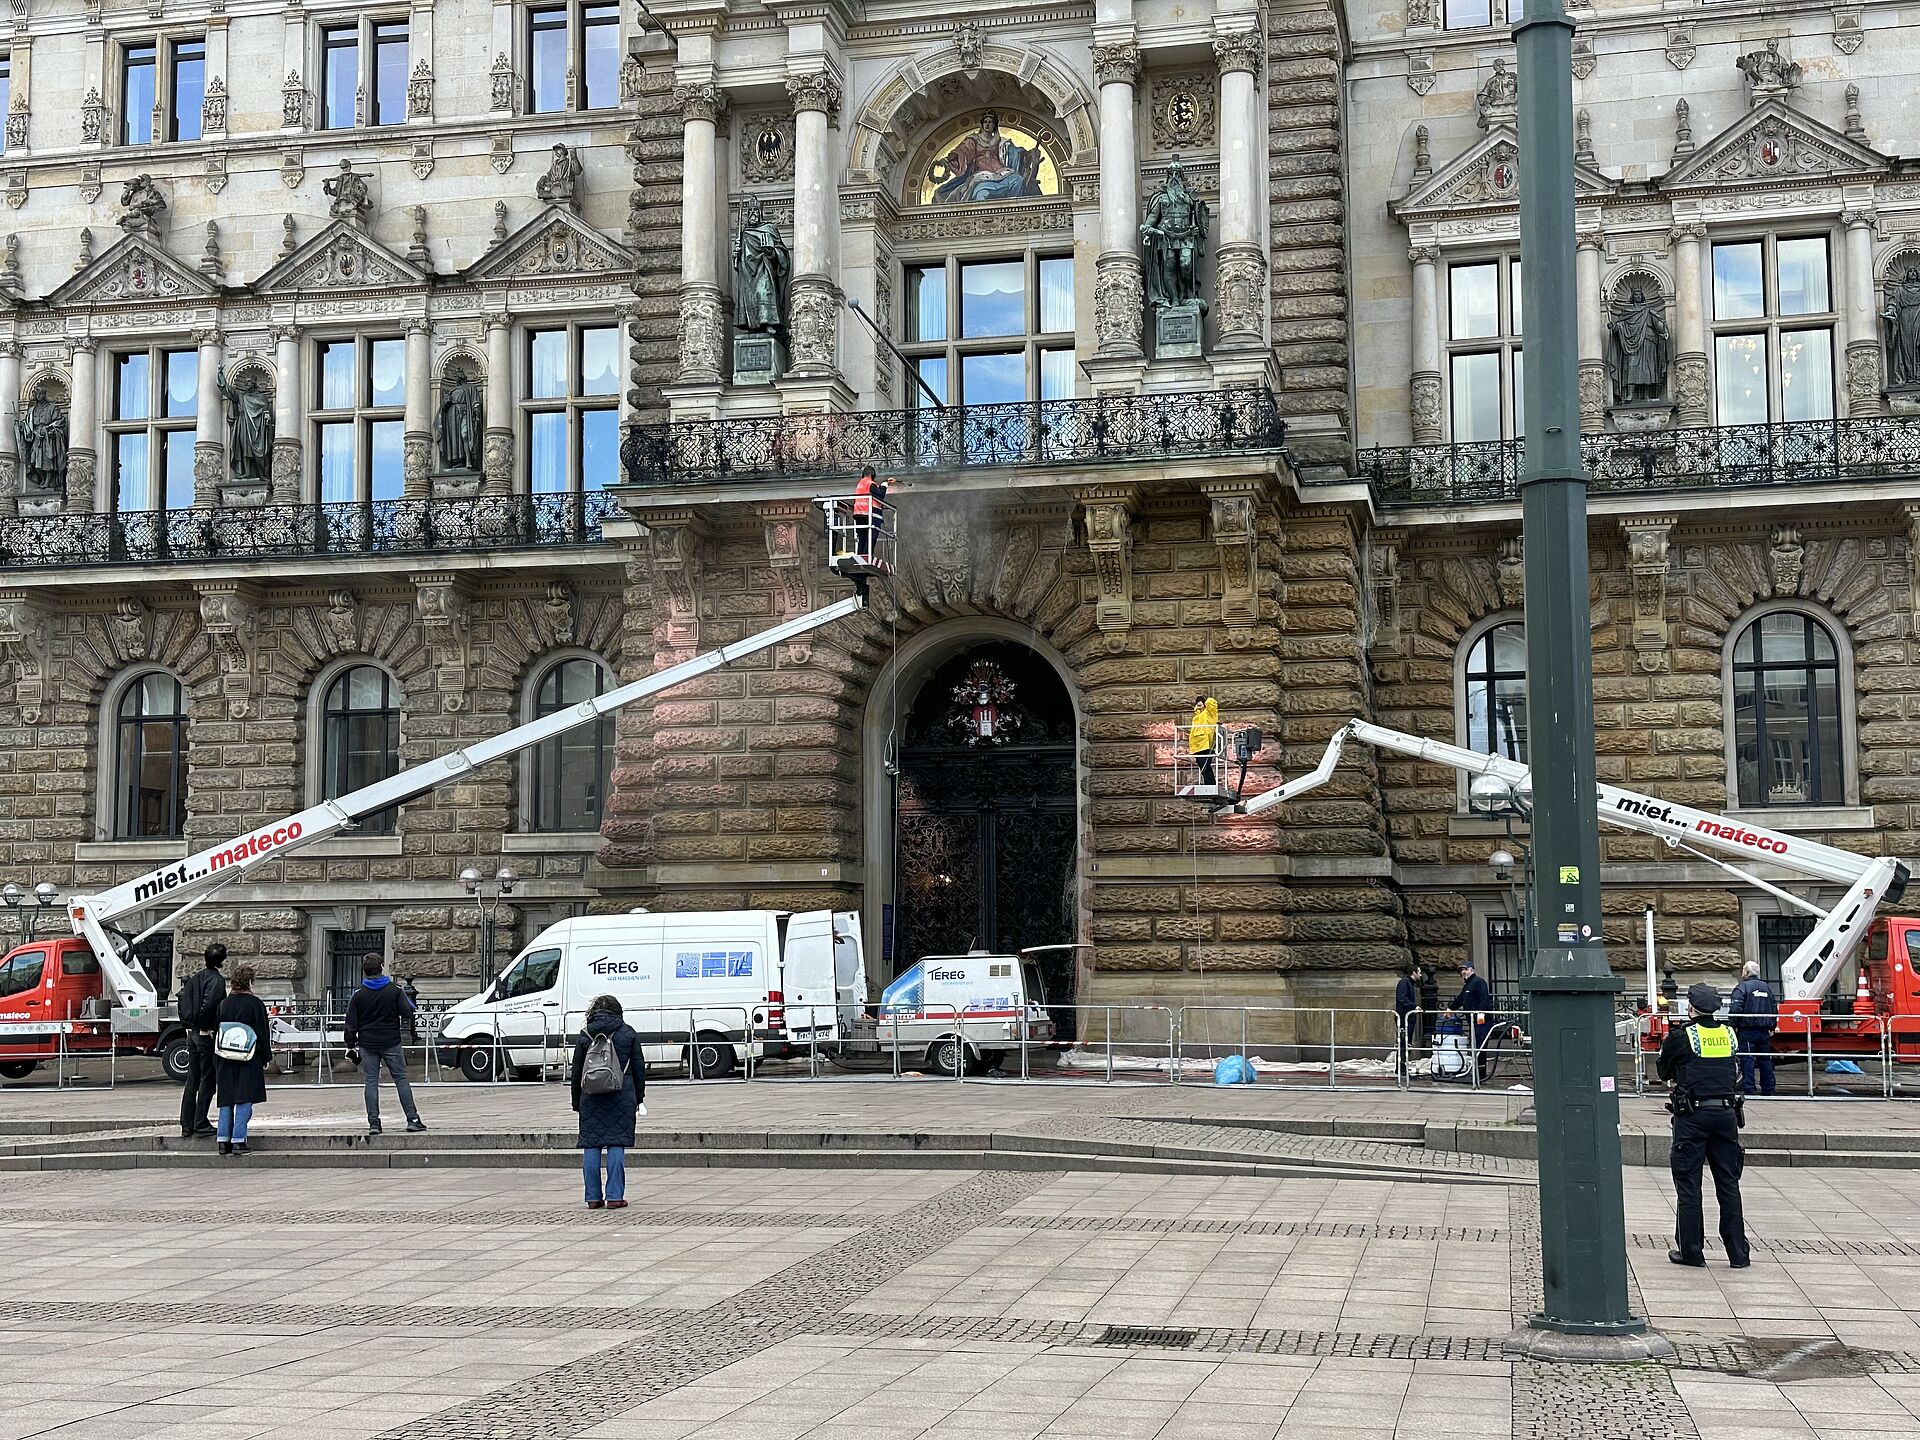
1202	732
866	512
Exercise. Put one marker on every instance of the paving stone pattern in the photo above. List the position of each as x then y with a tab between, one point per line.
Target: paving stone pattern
573	1397
1319	1229
316	1317
1240	1140
488	1219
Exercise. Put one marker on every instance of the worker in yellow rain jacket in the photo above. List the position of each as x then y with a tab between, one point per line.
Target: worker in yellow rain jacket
1203	734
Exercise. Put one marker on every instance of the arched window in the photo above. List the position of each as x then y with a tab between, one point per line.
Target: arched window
150	765
569	773
1494	684
1787	747
360	737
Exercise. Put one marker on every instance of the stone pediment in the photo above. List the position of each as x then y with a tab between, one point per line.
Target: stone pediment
1487	176
1774	141
133	271
556	242
340	257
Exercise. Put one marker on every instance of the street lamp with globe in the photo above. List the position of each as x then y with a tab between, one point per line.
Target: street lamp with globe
27	906
486	903
1507	801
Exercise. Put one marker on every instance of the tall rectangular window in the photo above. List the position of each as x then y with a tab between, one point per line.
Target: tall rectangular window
155	401
573	57
187	89
1484	367
389	72
1773	322
572	408
339	76
1002	328
6	89
360	418
139	67
1468	14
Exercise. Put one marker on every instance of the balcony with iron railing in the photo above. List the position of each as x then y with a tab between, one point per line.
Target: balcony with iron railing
306	531
1711	458
1092	431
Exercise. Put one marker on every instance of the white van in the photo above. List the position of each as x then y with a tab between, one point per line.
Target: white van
707	989
990	1003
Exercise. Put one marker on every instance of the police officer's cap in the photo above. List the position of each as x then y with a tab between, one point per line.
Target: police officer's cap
1703	999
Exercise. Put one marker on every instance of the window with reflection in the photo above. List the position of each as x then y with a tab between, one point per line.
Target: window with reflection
1495	680
1485	371
1467	14
339	76
150	430
363	72
359	418
360	738
986	332
1773	321
150	759
6	92
1786	713
573	57
570	773
572	408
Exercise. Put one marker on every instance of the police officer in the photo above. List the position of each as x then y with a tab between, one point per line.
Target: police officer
1696	1060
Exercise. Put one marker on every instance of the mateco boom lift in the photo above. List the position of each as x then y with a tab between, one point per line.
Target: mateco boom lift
91	995
1893	943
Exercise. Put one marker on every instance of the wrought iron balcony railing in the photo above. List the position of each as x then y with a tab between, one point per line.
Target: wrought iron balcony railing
380	527
1723	457
1235	420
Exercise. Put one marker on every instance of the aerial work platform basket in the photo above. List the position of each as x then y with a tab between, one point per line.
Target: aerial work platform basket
860	536
1216	773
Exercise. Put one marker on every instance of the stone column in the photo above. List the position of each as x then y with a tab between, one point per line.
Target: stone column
417	447
1592	332
1240	267
81	465
813	309
1424	404
1119	294
702	323
209	454
499	459
1863	319
10	477
289	416
1690	325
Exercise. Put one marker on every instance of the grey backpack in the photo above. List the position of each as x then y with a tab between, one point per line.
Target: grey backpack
602	1074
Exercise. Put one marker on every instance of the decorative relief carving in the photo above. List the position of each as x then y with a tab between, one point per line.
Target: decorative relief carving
1420	72
1109	514
286	470
700	101
1690	389
1648	539
497	468
1848	33
1423	14
969	43
1511	567
1786	560
766	148
1863	380
817	90
1584	58
505	93
26	633
1119	301
440	599
559	613
1240	50
949	556
1232	522
420	92
1424	409
678	567
132	625
813	318
1240	276
342	621
1680	51
293	102
1383	581
213	107
702	334
93	117
1117	63
229	617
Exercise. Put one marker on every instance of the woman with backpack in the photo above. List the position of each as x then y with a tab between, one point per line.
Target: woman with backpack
241	1047
609	1090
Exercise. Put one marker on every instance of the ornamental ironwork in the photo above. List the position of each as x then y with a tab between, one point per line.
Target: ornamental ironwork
381	527
1721	457
1233	420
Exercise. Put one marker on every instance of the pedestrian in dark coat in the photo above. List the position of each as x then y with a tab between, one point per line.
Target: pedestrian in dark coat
240	1085
606	1121
200	997
1475	1000
1406	1010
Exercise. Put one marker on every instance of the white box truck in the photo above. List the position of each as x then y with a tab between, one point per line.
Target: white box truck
712	990
989	1003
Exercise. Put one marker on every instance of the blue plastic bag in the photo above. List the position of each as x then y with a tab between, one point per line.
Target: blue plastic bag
1234	1070
1843	1067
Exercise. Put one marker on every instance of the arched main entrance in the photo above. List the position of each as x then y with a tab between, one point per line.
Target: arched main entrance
985	810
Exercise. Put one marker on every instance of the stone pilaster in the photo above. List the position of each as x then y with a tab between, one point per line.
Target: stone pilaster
1690	325
80	430
1119	294
1592	331
1424	396
702	313
1240	266
814	303
1863	390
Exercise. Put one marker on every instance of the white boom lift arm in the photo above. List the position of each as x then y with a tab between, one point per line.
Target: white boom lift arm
1808	973
197	878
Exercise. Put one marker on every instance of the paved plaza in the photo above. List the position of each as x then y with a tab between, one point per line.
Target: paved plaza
892	1300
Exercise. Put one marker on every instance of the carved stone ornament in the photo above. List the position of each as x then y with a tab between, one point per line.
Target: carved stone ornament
1768	73
1117	63
558	613
1423	14
420	92
1786	560
817	90
229	616
440	599
293	102
1848	33
766	148
1184	110
1511	567
349	195
702	101
1240	50
498	468
1231	518
1119	302
1593	397
1424	409
949	556
1584	58
416	467
342	618
678	568
1420	71
141	206
633	79
1852	126
421	162
18	119
970	43
93	118
132	626
813	322
293	167
1680	51
345	261
1648	539
1498	99
1383	579
564	184
81	466
1110	539
26	634
1240	281
1690	389
286	470
505	94
213	108
702	334
1912	511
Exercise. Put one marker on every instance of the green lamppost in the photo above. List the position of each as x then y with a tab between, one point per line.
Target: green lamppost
1585	1314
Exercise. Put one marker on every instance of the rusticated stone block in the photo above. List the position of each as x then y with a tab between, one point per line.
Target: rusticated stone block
1137	957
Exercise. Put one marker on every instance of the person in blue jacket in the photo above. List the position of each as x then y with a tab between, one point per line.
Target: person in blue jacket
1475	1001
1754	1012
